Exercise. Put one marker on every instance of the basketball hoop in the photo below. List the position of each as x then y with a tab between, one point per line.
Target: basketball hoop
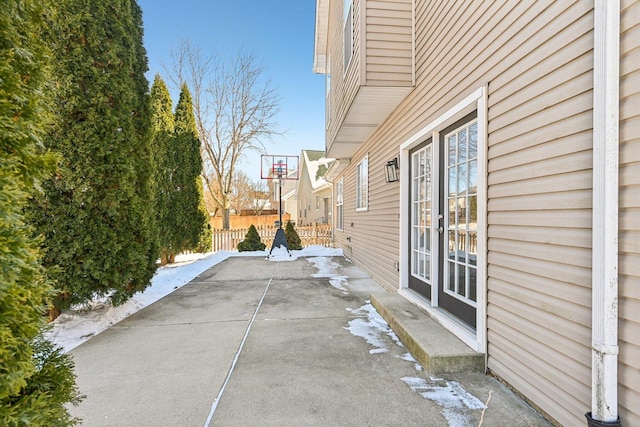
280	168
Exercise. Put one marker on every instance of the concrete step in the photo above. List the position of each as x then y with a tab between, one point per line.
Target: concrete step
437	349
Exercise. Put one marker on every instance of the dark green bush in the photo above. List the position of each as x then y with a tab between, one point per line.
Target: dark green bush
293	240
251	241
97	211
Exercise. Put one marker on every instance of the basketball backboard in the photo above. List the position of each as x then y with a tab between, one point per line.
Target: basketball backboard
279	167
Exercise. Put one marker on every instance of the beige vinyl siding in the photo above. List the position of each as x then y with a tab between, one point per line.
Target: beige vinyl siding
373	233
629	217
536	60
344	85
389	43
539	175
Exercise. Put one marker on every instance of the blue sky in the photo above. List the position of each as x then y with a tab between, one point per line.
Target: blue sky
279	32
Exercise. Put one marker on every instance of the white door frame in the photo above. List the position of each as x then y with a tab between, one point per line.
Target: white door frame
475	101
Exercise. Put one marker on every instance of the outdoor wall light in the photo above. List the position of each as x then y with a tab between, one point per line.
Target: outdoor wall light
391	170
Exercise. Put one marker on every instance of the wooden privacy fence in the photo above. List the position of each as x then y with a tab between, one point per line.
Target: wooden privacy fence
227	240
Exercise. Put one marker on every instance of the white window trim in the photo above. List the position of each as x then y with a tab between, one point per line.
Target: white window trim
359	185
477	100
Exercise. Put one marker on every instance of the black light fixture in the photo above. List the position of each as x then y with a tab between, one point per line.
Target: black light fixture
391	170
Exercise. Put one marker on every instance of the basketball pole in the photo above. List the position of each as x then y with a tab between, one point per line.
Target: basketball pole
280	194
280	238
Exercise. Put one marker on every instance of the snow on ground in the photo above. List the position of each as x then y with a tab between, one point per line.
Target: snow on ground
75	326
454	400
329	269
372	328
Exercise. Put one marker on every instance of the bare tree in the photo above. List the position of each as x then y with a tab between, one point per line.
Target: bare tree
235	110
248	195
259	196
240	195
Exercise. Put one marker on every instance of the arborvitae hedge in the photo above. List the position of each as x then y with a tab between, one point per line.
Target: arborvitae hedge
191	218
251	241
96	216
164	162
293	239
36	379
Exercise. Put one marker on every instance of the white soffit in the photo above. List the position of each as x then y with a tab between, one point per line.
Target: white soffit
321	35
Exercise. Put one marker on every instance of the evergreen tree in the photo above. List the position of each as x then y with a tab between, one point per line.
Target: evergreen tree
97	218
205	240
192	218
293	239
164	155
36	379
251	241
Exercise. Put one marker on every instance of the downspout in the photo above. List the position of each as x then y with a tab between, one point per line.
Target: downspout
606	86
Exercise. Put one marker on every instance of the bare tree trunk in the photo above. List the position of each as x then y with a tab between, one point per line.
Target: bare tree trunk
225	219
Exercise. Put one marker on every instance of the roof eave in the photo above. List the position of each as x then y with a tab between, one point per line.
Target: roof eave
321	37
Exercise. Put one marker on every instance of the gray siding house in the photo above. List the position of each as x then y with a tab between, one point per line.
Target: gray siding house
515	219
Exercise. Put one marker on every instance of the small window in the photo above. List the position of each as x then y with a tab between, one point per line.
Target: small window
348	33
317	203
339	204
362	185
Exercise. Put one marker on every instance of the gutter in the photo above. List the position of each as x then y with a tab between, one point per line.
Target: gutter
606	88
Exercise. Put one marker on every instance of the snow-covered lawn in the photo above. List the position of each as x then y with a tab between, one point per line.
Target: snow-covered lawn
75	326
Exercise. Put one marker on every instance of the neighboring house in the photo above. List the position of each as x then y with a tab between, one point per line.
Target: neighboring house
502	116
290	202
313	192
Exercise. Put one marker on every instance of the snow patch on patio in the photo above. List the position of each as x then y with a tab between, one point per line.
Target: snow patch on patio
454	400
329	269
372	328
407	357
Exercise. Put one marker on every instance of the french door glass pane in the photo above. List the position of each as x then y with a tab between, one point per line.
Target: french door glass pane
452	150
452	276
421	213
462	204
473	141
473	177
462	146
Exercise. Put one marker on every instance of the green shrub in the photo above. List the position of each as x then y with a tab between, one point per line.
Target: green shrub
37	383
97	211
293	240
251	241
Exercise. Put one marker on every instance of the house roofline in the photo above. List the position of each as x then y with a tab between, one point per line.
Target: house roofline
321	37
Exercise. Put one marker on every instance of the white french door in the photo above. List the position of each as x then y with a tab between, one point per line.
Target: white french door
443	221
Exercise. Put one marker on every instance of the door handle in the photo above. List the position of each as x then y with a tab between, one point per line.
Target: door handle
440	228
